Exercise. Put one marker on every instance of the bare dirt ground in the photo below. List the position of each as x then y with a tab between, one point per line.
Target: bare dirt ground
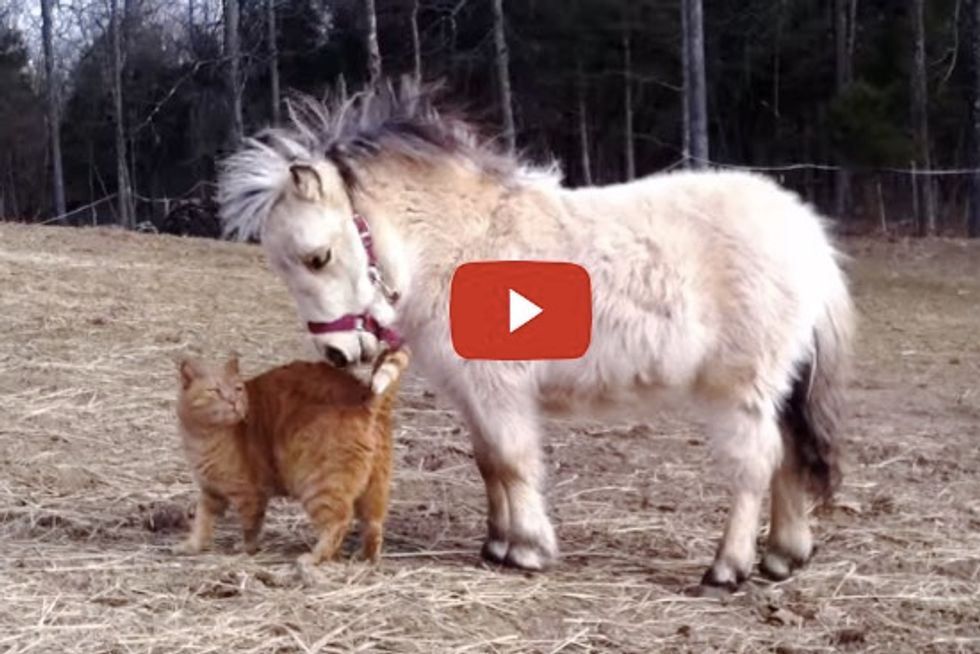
94	492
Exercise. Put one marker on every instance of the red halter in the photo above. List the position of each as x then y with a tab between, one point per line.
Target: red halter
365	321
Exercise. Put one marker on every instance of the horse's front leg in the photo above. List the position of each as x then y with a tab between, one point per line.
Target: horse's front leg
506	444
498	510
748	447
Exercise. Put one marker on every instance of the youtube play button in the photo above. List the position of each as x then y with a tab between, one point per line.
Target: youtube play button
520	310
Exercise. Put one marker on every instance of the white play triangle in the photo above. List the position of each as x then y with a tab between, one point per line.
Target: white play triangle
522	310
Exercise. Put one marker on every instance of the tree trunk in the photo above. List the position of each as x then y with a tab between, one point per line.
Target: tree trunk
503	75
128	22
274	98
123	193
374	52
851	37
844	74
342	87
628	145
416	43
777	60
843	42
698	93
91	181
685	89
583	125
14	207
233	57
54	120
191	31
973	228
920	117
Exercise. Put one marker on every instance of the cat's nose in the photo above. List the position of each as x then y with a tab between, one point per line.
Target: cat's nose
336	357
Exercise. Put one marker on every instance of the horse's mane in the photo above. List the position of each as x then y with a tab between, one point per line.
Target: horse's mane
393	121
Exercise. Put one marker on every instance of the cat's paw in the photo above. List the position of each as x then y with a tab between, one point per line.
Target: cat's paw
250	548
186	548
371	555
308	571
307	560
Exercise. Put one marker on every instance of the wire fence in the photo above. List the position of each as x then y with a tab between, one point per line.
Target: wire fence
881	199
150	213
876	199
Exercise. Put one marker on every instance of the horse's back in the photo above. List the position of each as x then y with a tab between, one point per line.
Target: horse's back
706	281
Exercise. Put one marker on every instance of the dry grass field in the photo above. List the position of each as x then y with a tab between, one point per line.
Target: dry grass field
94	491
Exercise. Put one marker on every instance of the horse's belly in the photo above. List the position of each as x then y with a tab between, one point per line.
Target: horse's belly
639	402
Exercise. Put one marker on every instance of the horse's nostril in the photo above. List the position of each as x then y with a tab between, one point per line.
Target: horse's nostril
336	357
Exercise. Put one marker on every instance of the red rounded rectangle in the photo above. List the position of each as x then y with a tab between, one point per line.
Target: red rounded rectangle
520	310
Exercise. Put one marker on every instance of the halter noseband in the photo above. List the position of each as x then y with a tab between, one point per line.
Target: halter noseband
365	322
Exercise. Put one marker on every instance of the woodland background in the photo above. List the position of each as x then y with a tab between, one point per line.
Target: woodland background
117	111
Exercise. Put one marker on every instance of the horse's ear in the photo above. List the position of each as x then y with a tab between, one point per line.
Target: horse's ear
307	182
190	369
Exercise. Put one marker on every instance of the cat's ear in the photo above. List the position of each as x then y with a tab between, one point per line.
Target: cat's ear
231	365
190	369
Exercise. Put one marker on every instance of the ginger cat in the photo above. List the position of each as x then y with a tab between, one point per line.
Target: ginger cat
303	430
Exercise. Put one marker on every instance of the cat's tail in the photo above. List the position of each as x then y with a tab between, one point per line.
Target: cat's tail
388	369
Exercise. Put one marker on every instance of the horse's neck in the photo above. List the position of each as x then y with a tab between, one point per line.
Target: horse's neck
416	214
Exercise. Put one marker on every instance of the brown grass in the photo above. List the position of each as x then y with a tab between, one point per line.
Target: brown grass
93	490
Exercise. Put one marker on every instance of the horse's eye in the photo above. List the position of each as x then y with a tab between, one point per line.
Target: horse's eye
318	260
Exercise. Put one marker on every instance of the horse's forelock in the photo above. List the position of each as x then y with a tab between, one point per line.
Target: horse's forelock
249	184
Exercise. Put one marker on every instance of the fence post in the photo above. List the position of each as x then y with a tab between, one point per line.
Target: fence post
881	208
915	196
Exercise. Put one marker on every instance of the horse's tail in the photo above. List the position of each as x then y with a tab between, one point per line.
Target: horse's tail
812	413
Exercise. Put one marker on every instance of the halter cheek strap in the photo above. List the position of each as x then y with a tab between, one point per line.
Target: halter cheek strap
364	322
374	272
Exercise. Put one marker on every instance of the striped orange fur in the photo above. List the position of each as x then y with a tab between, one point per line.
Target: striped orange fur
303	430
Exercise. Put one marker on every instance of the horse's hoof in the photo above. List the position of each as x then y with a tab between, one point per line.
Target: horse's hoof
720	580
527	557
494	551
779	566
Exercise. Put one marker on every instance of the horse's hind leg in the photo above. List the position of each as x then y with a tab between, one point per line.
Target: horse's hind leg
790	541
506	446
747	445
